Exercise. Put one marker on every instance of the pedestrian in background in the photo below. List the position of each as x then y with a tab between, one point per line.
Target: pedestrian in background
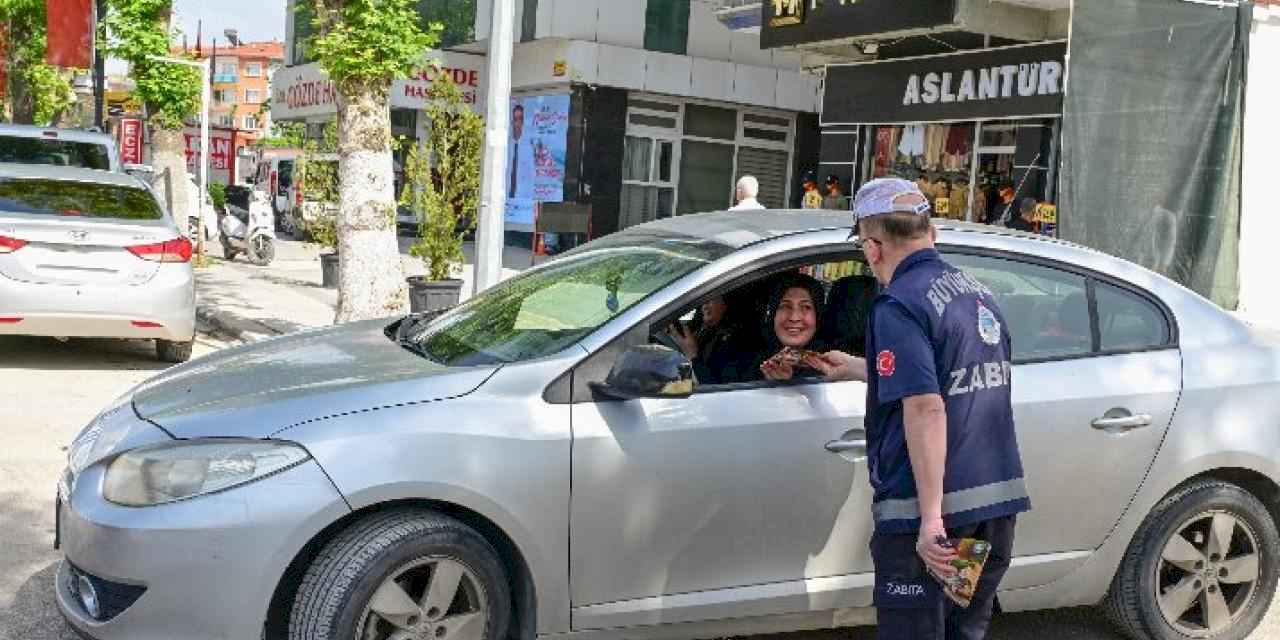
835	195
944	460
745	194
812	197
1026	218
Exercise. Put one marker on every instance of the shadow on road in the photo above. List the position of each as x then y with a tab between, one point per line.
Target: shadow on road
28	567
48	354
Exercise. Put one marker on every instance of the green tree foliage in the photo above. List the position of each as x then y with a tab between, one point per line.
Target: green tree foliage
218	195
38	92
316	173
445	197
137	31
457	19
365	44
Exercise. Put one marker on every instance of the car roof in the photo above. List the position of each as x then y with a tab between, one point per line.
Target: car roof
76	174
75	135
740	229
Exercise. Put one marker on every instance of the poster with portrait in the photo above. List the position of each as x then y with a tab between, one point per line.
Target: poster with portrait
535	154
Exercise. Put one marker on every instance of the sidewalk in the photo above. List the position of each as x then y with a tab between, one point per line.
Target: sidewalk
246	303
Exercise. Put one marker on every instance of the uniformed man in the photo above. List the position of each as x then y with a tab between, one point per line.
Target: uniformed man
942	454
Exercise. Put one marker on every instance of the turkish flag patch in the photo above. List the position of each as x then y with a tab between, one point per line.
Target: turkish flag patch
886	364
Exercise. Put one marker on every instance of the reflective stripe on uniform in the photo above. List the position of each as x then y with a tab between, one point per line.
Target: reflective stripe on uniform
955	502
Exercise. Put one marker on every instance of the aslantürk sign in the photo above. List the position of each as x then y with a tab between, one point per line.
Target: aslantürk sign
1008	82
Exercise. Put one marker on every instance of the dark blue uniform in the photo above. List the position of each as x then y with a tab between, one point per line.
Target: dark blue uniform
937	330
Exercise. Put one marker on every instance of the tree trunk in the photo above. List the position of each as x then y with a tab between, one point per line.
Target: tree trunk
370	276
169	159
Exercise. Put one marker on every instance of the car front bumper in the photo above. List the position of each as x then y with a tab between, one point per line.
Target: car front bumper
103	311
207	567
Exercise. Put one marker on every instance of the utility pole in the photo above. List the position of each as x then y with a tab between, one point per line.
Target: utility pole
99	71
497	122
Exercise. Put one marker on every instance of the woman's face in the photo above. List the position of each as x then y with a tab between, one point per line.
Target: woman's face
713	311
797	318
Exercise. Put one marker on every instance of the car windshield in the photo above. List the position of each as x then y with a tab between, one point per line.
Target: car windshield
84	199
65	153
544	311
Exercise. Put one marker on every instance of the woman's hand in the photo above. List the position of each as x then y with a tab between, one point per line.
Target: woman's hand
684	337
777	369
838	365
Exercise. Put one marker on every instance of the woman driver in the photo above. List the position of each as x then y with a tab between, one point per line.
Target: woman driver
794	310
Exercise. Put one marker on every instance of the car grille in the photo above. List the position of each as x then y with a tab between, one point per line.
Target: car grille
113	597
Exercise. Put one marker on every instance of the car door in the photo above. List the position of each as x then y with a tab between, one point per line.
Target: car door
738	501
1096	380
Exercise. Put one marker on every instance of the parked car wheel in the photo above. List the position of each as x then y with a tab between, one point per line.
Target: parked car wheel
1203	565
262	250
404	574
175	352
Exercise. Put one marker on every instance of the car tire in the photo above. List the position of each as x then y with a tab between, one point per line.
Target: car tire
1154	565
402	551
175	352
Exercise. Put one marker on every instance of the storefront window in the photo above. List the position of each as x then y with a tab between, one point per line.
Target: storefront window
977	171
706	170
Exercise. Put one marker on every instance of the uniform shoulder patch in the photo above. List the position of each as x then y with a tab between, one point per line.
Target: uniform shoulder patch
886	363
988	325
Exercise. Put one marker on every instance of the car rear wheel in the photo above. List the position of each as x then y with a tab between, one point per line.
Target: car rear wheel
404	575
175	352
1203	565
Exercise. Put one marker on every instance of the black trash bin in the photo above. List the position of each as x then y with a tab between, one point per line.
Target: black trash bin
329	270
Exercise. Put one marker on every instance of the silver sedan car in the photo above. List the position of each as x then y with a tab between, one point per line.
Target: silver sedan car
88	253
539	462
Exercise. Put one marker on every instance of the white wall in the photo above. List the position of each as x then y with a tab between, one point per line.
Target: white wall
621	23
1260	217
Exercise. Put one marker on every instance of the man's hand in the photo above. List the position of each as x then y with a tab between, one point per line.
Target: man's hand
937	558
838	365
685	337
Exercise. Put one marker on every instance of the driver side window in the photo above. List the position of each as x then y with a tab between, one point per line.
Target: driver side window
755	331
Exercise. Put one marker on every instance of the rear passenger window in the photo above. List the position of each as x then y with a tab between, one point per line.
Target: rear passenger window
1047	310
1128	322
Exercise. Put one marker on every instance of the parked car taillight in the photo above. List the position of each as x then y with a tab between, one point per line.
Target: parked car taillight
9	245
176	250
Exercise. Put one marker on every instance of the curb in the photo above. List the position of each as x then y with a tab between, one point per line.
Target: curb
233	327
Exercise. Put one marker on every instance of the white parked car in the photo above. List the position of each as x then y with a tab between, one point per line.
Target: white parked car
87	253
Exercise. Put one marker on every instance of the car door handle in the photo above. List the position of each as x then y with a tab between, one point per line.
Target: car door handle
845	446
1111	422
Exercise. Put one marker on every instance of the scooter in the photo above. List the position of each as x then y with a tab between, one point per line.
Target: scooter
251	232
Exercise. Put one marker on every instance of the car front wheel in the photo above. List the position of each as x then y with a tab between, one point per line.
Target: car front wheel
1203	565
404	575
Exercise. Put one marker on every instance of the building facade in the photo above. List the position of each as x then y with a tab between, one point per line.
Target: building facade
242	85
635	110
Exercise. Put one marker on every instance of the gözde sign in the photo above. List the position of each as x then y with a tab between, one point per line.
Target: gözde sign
305	91
1008	82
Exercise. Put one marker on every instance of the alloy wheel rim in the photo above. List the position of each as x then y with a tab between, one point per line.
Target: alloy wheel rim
1208	573
430	598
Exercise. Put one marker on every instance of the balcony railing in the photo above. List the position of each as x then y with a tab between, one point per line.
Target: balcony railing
224	78
739	15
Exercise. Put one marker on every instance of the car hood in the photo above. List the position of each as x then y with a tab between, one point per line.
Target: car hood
260	389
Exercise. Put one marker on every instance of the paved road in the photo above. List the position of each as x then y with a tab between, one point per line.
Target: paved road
49	390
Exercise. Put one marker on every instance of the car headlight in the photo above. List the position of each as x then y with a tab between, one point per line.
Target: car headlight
158	474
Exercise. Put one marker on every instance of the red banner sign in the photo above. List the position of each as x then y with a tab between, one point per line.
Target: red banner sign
70	34
131	141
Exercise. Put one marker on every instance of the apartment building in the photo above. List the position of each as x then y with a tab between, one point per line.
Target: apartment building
642	110
242	85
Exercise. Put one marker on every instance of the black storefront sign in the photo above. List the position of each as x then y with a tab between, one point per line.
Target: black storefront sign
1008	82
793	22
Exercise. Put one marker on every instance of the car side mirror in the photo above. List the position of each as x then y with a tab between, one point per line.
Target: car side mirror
648	371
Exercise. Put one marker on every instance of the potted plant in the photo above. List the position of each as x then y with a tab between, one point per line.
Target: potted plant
317	169
443	189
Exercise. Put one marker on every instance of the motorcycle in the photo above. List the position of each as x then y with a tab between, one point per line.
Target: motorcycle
248	226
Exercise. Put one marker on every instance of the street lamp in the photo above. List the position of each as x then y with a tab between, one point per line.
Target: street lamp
493	192
203	65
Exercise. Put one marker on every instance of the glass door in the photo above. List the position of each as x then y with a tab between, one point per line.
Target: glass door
648	179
